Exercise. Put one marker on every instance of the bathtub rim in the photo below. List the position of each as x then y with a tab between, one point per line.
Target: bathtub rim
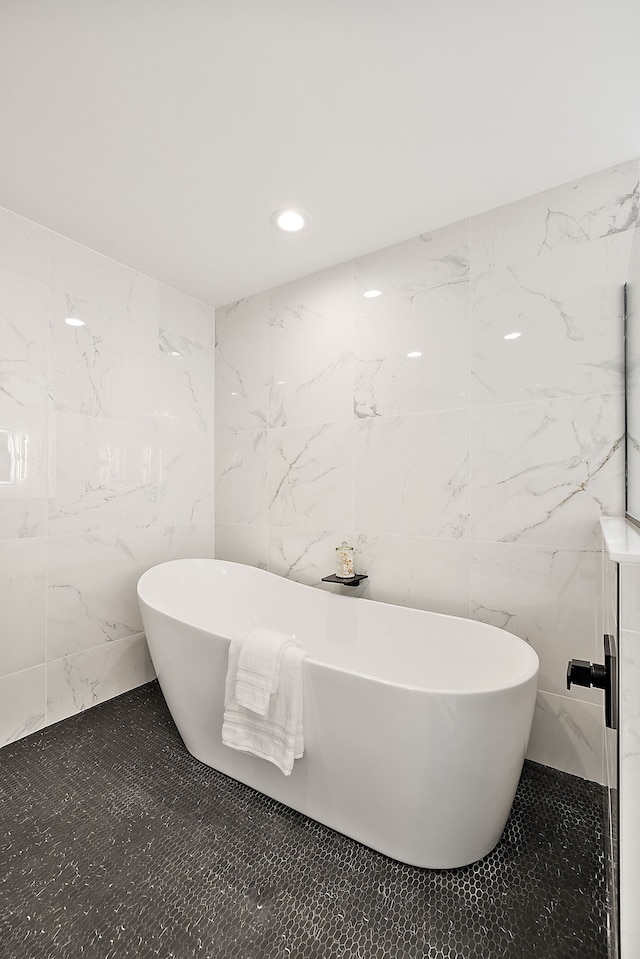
522	678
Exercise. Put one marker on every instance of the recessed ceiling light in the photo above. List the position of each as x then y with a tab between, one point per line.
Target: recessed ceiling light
290	221
372	293
512	336
74	321
176	353
414	353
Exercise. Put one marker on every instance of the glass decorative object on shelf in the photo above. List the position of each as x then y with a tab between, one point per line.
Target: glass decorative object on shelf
344	561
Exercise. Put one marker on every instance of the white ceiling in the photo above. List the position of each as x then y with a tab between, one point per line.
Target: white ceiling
164	133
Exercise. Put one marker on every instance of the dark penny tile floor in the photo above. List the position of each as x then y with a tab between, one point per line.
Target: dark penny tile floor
116	843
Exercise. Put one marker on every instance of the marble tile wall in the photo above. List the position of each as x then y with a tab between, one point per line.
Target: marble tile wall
471	477
106	466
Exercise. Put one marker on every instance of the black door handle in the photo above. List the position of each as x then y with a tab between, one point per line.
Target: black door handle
582	673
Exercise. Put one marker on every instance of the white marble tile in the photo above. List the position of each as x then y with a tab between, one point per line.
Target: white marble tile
311	476
185	361
24	247
23	472
242	385
91	591
108	367
586	209
185	542
250	317
567	309
24	333
241	494
297	366
543	472
90	677
415	571
191	318
567	735
186	478
389	379
306	555
420	263
22	703
84	276
411	474
321	295
23	587
243	544
184	382
105	475
549	597
311	369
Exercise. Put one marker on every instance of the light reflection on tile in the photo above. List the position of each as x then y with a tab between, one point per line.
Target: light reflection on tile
23	472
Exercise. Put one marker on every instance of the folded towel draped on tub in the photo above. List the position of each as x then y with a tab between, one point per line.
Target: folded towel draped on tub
276	733
258	673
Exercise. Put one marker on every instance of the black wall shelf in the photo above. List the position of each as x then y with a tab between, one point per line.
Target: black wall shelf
352	581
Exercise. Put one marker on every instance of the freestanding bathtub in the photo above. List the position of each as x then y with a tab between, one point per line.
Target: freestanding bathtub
415	723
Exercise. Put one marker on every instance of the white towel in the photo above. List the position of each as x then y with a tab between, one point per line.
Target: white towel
258	671
278	735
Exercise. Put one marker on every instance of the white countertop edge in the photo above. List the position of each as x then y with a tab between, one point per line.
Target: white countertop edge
621	539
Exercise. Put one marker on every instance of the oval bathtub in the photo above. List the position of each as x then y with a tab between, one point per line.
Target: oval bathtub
415	723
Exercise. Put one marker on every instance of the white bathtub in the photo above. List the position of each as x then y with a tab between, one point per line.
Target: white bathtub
415	723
